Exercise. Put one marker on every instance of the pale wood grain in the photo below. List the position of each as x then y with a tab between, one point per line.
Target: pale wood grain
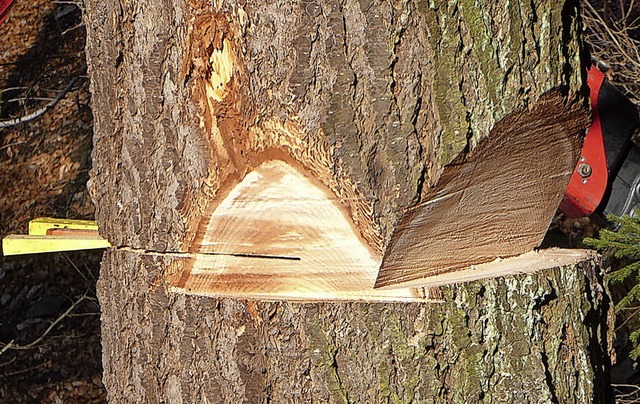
279	235
530	262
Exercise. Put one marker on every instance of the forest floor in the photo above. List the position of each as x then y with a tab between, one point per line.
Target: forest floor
44	167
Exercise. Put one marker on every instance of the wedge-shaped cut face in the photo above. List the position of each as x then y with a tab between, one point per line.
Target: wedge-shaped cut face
495	202
279	235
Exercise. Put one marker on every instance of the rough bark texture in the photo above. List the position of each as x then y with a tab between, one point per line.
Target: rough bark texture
536	338
372	98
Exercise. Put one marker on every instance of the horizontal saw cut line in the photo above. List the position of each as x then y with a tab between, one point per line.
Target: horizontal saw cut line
185	254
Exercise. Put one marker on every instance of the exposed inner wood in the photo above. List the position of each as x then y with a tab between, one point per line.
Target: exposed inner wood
497	201
279	235
221	71
241	133
530	262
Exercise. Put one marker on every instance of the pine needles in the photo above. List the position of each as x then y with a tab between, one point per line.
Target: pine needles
623	244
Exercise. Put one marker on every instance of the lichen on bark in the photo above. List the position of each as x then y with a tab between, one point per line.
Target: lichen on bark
526	338
497	341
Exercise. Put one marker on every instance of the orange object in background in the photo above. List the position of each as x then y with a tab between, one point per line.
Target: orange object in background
5	7
607	176
590	177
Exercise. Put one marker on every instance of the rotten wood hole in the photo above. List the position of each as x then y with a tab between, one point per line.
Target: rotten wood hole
284	230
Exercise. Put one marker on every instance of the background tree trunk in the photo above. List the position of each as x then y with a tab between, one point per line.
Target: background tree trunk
371	98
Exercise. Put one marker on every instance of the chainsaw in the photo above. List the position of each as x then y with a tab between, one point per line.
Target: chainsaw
606	179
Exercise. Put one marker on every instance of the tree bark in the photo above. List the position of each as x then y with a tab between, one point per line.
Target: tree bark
371	99
536	338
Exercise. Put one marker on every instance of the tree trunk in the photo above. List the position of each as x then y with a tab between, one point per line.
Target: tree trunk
528	338
205	111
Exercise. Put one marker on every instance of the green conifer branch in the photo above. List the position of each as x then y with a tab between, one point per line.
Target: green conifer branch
623	243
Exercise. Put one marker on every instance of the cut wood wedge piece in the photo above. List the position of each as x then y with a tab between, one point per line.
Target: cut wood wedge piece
530	262
279	235
496	201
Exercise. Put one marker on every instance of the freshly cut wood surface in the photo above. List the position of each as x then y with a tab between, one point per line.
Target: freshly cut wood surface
497	201
279	235
530	262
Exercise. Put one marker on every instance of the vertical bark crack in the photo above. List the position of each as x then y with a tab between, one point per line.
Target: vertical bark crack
549	378
340	386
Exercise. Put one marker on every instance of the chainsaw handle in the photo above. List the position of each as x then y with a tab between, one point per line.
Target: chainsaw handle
605	148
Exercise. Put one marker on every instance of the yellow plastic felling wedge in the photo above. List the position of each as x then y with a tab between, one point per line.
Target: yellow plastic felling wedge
39	226
47	234
30	244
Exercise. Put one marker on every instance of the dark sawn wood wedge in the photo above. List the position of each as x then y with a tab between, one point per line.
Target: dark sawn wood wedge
494	202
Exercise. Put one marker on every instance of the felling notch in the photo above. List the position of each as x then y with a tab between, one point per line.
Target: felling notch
280	235
496	201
